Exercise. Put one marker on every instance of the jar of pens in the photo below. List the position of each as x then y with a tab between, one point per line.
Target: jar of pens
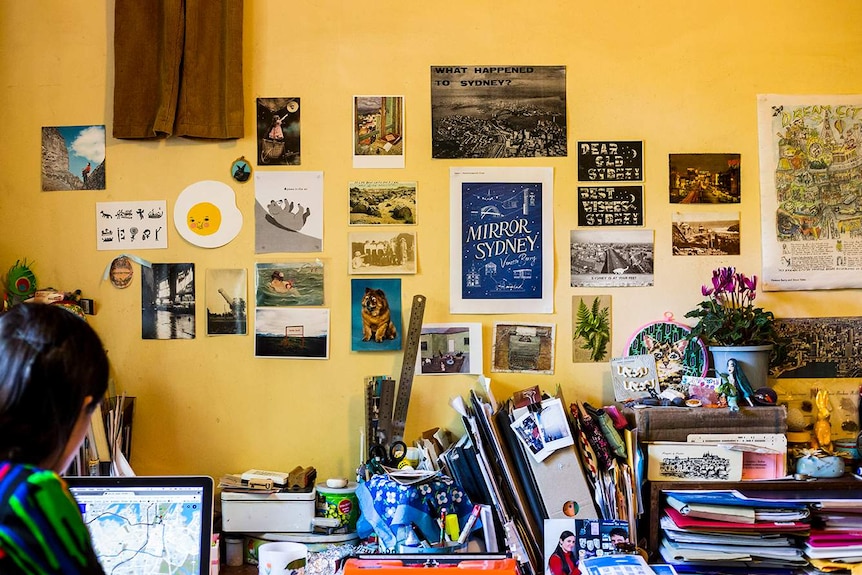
451	538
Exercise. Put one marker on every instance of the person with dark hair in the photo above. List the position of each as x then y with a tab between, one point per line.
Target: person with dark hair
53	374
563	560
618	535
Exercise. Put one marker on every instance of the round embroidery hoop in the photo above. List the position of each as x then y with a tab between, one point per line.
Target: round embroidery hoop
695	358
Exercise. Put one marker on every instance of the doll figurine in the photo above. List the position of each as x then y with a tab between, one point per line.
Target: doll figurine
738	378
729	391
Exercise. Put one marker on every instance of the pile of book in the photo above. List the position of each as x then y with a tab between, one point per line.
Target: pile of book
836	533
728	532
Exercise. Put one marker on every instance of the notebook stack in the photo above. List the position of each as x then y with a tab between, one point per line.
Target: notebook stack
723	531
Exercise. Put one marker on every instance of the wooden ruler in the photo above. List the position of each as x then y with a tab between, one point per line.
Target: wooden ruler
408	367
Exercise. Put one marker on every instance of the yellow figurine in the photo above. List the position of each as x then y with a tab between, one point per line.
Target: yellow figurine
822	427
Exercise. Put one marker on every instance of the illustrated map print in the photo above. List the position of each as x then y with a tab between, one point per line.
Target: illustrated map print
502	240
811	185
498	111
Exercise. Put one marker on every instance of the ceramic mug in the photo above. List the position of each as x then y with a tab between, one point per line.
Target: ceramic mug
282	558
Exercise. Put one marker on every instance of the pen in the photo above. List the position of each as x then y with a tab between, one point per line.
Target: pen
419	535
442	525
471	521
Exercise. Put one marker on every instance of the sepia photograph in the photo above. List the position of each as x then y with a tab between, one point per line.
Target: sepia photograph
705	234
227	301
382	253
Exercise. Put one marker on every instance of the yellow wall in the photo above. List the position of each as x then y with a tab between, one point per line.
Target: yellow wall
682	76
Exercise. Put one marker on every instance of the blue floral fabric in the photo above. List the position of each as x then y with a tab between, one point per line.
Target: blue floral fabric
388	508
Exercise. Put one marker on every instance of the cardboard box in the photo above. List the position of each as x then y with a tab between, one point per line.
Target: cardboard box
676	423
282	512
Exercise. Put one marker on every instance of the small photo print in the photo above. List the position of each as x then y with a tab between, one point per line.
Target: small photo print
168	301
289	284
446	348
278	141
523	348
295	333
704	178
382	253
543	432
375	314
73	158
705	234
226	301
375	203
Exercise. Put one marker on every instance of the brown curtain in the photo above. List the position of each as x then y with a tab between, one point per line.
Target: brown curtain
178	69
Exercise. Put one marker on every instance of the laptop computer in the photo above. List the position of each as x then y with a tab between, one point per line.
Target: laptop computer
142	525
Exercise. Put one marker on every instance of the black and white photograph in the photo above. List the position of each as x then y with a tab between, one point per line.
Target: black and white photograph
498	111
705	234
447	348
227	301
621	258
168	301
704	178
820	347
381	203
278	136
382	253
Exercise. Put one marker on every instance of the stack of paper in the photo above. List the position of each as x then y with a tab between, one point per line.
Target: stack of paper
838	537
707	530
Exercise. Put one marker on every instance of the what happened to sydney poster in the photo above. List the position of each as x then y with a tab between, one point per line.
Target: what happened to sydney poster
498	111
501	244
811	191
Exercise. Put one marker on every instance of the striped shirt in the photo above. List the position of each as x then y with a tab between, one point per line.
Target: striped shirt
41	530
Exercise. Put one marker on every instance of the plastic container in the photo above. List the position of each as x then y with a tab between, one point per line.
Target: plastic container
339	503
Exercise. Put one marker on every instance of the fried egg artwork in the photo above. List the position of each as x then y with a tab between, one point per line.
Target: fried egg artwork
205	214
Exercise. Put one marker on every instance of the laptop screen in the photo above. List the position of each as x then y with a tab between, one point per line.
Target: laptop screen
142	525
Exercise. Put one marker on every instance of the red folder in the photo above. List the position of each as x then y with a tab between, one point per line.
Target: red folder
685	522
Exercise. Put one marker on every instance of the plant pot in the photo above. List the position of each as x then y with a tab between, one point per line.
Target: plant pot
753	359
